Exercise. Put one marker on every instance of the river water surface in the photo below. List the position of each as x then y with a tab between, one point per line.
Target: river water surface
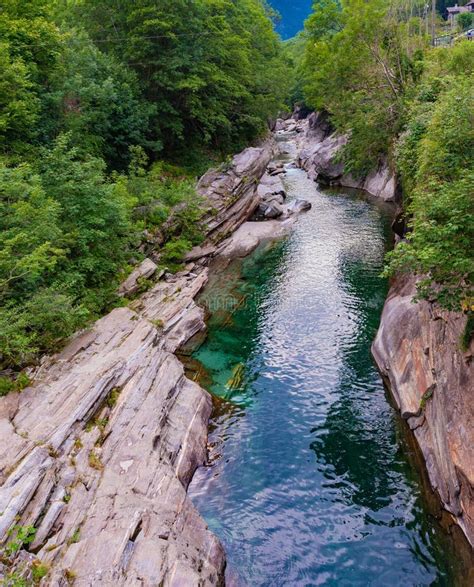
310	481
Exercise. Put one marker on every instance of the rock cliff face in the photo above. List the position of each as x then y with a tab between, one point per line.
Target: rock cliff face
231	190
97	454
318	156
418	352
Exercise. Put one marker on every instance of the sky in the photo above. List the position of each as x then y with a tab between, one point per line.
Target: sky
294	13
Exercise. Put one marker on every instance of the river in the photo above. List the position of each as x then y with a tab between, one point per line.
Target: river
311	479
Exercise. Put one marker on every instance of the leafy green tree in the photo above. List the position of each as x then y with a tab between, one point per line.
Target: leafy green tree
465	20
98	101
214	76
29	49
362	58
435	157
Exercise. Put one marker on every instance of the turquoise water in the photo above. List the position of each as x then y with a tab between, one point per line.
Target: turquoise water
310	481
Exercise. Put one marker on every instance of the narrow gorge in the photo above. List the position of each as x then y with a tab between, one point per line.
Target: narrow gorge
309	469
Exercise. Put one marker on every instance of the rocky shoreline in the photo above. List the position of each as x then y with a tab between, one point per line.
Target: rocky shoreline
98	452
319	146
418	351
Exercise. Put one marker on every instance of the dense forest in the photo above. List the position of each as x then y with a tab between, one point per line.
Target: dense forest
108	111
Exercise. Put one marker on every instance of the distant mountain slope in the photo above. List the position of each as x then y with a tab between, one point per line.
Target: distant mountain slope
294	13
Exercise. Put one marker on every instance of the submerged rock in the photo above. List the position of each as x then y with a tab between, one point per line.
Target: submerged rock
299	206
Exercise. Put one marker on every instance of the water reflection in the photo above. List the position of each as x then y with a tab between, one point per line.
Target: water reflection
310	483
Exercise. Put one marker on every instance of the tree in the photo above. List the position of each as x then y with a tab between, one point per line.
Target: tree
214	76
465	20
98	101
29	49
435	156
361	60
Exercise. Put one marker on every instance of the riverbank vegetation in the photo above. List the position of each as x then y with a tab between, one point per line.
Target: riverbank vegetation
371	66
107	114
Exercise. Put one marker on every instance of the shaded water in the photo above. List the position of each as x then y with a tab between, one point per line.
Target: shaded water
310	483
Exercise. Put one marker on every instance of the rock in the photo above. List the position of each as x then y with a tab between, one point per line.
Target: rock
299	206
126	477
251	234
275	168
144	271
231	192
319	157
269	211
199	252
319	126
418	353
279	125
277	198
301	112
270	186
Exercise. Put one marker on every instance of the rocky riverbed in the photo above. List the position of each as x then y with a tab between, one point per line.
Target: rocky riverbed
98	452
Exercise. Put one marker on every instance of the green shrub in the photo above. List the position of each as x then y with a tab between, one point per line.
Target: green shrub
441	176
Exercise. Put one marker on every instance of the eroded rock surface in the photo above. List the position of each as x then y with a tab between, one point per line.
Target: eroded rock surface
319	152
145	270
418	351
231	190
97	454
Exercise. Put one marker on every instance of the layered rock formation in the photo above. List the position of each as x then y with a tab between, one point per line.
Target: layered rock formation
320	148
231	191
418	352
97	454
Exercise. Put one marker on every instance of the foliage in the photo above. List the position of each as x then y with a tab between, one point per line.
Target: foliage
19	536
97	100
362	59
7	385
29	49
465	20
214	76
67	233
436	155
369	65
92	93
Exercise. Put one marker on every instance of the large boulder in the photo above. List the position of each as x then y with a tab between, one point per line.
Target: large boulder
131	285
230	192
268	211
